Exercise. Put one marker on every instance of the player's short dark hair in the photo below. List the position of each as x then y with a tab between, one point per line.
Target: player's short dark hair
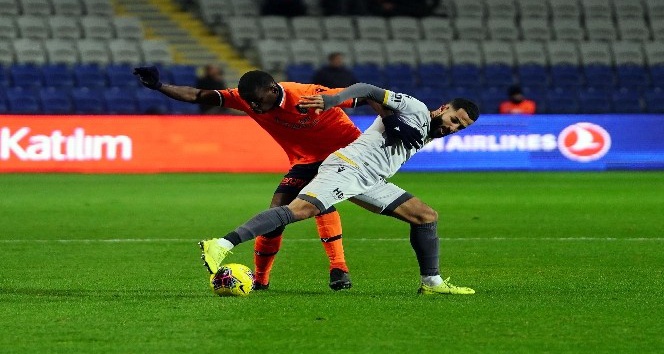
469	106
251	82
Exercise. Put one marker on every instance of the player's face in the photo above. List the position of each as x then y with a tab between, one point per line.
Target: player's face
446	120
266	99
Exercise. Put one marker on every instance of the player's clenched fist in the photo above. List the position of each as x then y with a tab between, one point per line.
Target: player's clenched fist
314	101
149	76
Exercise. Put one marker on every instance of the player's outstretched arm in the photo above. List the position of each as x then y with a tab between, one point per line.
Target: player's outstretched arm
359	90
149	77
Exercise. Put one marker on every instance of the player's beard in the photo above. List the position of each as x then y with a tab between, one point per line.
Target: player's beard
437	129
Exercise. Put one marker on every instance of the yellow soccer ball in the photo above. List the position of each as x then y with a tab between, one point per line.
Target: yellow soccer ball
232	280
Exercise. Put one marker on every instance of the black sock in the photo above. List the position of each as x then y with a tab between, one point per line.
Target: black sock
424	240
261	224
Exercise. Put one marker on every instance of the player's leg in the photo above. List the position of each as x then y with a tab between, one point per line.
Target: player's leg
388	199
328	224
268	245
217	249
317	196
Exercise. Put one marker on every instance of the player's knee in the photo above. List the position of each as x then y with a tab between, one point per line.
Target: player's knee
303	210
425	216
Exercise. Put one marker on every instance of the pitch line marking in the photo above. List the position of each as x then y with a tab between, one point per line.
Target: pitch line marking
443	239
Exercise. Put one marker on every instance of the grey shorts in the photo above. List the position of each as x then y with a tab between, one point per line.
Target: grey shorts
337	180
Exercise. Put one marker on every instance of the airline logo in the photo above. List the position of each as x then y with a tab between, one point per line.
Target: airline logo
584	142
78	146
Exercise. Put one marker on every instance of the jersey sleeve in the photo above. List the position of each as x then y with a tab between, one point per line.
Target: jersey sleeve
349	103
399	102
230	98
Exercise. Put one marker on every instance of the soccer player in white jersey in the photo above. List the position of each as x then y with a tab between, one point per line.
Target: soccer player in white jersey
359	171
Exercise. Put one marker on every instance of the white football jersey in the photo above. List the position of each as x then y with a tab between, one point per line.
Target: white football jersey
369	151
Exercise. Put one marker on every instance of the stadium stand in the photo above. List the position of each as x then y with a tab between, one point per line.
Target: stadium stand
588	55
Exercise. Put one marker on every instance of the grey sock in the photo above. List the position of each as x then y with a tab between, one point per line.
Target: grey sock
424	240
265	222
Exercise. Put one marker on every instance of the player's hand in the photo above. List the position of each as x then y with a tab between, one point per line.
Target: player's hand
314	101
149	76
396	130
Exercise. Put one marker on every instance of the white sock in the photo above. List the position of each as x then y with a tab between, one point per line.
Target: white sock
225	243
432	280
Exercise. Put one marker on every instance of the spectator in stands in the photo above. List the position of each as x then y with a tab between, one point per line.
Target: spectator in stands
415	8
212	79
517	102
343	7
288	8
335	74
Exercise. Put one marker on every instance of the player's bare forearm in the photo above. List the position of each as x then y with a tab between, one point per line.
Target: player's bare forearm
190	94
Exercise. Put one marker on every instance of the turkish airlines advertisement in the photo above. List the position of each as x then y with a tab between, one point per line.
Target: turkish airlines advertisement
549	142
153	144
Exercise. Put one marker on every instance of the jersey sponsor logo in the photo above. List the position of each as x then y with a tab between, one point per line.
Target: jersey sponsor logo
584	142
302	123
56	146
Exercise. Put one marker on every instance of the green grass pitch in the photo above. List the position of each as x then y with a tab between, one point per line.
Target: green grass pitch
561	262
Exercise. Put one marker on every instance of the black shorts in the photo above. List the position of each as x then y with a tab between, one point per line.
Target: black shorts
298	177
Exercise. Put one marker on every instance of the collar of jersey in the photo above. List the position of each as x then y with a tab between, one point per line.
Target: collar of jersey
283	96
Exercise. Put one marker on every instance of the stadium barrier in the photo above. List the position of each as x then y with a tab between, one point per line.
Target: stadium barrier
151	144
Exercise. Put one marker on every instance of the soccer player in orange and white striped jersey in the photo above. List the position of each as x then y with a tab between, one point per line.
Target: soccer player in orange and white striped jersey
307	138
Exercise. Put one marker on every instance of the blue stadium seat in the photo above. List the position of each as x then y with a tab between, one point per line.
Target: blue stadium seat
303	73
26	75
470	93
55	101
120	100
89	75
656	75
179	107
369	73
399	75
565	76
498	75
88	101
535	93
654	99
121	75
491	99
626	100
632	76
594	101
431	97
532	75
598	75
433	75
466	75
183	75
22	100
57	75
4	78
152	102
561	100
